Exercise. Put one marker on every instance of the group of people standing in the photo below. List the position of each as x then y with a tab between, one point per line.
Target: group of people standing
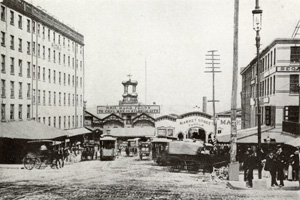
275	162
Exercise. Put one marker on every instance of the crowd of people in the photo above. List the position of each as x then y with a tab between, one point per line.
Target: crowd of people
276	165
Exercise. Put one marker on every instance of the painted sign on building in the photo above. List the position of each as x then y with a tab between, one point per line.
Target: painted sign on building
150	109
288	69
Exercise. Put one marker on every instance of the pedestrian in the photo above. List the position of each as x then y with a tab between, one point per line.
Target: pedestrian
271	167
127	151
245	164
290	169
280	165
251	163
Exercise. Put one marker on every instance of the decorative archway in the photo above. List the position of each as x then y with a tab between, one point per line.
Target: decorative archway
197	133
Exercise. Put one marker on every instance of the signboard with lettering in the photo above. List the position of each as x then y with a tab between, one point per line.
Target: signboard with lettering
288	69
150	109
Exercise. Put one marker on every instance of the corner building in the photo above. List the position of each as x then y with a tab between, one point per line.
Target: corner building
42	67
279	93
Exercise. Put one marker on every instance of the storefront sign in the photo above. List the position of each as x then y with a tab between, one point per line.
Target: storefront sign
288	69
195	122
151	109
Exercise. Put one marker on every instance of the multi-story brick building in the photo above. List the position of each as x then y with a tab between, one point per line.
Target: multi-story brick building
279	92
42	67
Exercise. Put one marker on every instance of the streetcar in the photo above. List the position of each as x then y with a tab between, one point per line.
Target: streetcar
108	148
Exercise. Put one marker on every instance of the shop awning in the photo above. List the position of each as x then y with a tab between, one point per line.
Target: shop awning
78	131
31	130
250	135
133	132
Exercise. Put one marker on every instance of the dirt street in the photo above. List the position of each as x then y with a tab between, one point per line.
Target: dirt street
123	178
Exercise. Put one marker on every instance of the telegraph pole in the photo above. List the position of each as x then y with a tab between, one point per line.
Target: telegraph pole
234	84
234	166
212	61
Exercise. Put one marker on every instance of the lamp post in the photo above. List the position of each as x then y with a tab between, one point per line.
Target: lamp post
257	22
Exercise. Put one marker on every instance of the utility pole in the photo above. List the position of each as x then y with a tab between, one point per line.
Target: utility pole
234	84
234	166
211	61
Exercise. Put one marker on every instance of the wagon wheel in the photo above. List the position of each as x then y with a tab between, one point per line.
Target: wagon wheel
177	166
28	163
37	163
193	168
171	168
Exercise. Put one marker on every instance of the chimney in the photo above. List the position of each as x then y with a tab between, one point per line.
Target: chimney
204	102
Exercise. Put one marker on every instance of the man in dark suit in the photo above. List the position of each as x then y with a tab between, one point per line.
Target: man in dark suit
280	165
251	163
271	167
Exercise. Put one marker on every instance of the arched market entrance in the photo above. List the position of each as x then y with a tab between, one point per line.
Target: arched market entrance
197	133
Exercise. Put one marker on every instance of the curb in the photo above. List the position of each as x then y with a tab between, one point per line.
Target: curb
237	188
11	167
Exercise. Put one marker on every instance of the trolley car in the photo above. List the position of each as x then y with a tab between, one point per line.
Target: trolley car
108	147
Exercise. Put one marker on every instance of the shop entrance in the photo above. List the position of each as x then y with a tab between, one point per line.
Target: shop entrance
197	134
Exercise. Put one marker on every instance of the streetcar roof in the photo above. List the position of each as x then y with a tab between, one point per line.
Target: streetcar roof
157	140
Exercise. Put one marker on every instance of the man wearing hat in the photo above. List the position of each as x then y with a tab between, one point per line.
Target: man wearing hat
280	165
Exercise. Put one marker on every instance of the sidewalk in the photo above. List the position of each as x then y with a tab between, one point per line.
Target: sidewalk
241	184
11	166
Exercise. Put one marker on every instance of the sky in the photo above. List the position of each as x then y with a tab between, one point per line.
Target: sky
168	40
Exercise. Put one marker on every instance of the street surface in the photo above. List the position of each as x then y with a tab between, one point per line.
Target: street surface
123	178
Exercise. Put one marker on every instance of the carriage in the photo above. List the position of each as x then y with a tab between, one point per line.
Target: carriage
159	149
108	147
192	156
43	153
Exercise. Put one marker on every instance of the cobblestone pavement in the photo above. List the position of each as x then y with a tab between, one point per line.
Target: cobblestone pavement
123	178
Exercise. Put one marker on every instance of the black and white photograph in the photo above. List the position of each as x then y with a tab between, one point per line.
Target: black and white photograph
150	99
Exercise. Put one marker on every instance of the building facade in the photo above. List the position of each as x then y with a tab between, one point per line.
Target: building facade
42	67
129	119
279	93
195	125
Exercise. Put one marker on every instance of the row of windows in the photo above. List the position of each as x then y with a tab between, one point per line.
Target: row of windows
20	107
61	76
12	89
37	28
267	86
269	60
62	98
61	59
12	110
28	91
63	121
